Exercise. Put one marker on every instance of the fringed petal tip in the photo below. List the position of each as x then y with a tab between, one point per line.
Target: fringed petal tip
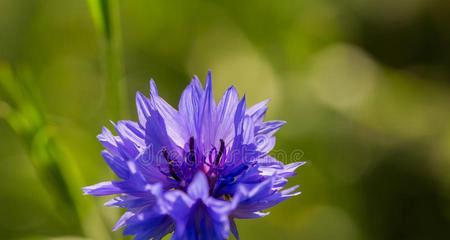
101	189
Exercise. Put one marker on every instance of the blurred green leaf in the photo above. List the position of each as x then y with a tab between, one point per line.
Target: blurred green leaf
100	14
29	123
57	172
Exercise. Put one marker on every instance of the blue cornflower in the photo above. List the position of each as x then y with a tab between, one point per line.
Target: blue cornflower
195	170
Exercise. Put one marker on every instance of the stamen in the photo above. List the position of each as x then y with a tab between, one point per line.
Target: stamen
227	197
220	153
191	156
171	167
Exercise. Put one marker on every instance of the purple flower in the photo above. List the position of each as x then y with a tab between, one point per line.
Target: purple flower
195	170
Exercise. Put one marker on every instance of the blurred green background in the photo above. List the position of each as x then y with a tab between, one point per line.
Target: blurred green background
363	84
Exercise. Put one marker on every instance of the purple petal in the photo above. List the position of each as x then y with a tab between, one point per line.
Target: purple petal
289	169
122	220
258	111
143	108
250	203
135	185
157	138
285	171
109	141
102	189
208	113
173	122
189	107
270	162
225	113
130	202
131	139
117	164
132	131
248	134
260	191
148	224
269	128
205	221
198	188
239	116
249	214
219	211
234	229
266	145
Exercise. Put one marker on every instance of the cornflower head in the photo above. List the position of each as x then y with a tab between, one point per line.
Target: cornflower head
194	170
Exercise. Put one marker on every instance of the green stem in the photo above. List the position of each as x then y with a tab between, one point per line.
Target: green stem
106	17
115	84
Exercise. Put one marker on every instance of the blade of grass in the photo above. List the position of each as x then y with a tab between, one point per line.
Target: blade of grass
106	17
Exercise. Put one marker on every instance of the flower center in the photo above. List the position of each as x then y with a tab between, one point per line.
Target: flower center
194	161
